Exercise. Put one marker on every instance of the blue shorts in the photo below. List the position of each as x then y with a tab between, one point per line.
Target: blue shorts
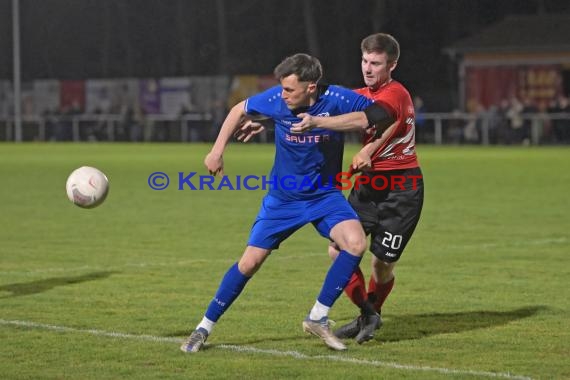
278	219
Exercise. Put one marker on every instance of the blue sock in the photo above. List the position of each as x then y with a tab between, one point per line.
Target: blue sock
337	277
230	288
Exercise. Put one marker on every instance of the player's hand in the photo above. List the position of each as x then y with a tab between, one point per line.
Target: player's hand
249	129
214	163
361	161
371	131
306	124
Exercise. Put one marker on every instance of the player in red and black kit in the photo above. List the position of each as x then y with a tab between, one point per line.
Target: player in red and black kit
388	215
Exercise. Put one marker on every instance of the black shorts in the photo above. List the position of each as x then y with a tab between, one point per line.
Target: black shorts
389	208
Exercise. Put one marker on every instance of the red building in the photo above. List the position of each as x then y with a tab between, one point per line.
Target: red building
527	57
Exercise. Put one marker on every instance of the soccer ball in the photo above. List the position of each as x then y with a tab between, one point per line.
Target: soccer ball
87	187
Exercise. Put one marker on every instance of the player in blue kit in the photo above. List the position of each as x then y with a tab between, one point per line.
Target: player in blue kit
309	161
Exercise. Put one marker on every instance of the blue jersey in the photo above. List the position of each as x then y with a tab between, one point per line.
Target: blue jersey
305	164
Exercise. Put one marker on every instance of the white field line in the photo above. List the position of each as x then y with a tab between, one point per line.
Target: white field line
247	349
274	256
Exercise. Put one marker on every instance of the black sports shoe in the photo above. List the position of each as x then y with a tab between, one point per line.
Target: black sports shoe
350	330
368	325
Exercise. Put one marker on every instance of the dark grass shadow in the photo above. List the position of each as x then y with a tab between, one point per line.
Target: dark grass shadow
415	326
40	286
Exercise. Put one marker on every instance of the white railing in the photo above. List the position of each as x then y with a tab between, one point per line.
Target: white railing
105	127
437	128
485	129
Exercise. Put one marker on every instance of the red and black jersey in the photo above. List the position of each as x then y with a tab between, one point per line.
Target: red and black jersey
398	151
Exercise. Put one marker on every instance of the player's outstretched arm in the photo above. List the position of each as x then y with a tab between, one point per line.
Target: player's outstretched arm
214	161
374	115
342	123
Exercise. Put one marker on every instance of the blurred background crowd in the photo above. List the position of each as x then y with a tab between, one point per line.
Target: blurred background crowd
480	71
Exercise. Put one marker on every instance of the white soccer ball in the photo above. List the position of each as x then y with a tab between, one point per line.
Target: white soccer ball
87	187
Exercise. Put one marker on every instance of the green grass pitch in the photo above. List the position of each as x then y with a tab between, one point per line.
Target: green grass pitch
108	293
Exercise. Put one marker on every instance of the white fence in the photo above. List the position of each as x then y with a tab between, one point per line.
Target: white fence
434	128
486	129
100	127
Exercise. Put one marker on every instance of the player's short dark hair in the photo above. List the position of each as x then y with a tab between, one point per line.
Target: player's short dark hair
381	43
306	67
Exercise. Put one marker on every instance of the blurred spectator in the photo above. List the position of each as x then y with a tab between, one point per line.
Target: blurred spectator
514	114
132	122
473	128
561	126
191	127
455	128
544	124
63	130
93	127
529	112
51	122
495	121
422	134
419	110
503	122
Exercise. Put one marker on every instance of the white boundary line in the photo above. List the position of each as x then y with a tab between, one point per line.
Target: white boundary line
292	354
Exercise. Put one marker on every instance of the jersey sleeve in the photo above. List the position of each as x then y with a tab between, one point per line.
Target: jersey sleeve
264	102
348	100
391	100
